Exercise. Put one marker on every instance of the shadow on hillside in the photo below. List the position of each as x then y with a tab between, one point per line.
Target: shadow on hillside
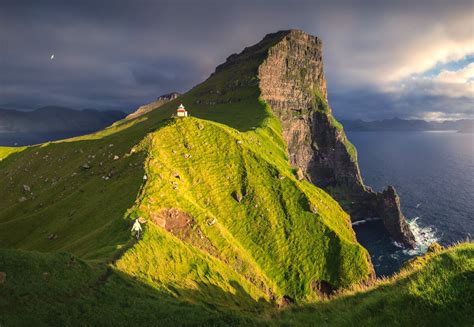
56	289
204	305
59	290
413	300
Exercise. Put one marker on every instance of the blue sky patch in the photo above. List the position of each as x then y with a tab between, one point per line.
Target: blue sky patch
451	66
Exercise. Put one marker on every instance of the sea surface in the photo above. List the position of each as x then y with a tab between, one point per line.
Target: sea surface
433	173
20	139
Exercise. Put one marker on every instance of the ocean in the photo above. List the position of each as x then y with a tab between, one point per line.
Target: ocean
433	173
20	139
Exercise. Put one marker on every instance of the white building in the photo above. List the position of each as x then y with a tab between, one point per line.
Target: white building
181	112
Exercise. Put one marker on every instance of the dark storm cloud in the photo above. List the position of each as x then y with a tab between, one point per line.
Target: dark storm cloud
119	54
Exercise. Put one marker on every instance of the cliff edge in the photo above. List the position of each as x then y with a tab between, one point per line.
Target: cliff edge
291	80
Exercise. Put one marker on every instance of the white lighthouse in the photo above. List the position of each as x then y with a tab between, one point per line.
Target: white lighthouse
181	112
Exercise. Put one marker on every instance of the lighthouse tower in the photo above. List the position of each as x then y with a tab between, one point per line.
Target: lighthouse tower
181	112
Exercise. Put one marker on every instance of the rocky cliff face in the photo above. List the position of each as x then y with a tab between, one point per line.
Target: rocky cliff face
292	82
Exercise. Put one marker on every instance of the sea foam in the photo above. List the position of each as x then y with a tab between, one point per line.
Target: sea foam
424	236
359	222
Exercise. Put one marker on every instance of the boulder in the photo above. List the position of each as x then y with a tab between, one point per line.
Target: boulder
52	237
237	196
285	301
322	288
300	174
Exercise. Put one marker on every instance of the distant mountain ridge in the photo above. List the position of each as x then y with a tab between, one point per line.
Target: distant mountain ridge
409	125
161	100
51	119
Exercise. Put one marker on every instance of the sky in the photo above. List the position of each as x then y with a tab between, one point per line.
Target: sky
382	59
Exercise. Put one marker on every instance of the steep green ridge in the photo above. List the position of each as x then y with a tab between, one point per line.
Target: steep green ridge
282	237
249	211
435	290
57	289
230	231
253	223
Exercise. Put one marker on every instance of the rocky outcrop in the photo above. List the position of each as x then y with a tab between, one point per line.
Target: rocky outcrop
393	219
292	82
161	100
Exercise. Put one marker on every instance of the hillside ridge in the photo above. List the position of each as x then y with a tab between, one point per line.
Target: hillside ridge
287	67
239	220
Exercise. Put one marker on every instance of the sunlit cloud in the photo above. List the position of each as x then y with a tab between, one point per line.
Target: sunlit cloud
442	116
461	76
447	83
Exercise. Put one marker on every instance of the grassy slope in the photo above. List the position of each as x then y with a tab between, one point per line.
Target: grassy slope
55	205
436	292
58	289
281	237
6	151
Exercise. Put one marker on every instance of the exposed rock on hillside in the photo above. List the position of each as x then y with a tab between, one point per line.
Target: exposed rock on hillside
291	80
161	100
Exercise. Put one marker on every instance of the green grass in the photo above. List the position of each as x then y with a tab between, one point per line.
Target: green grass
77	205
6	151
437	292
280	237
58	289
257	234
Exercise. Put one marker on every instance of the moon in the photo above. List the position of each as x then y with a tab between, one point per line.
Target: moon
52	56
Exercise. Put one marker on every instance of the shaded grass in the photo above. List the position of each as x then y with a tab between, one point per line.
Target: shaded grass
435	292
58	289
439	292
320	104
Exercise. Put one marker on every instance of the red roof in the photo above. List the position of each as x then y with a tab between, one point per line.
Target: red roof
181	110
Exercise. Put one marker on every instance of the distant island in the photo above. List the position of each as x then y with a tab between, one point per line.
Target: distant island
54	119
408	125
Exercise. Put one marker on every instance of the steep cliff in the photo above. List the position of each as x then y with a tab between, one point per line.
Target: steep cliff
228	222
292	82
231	233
